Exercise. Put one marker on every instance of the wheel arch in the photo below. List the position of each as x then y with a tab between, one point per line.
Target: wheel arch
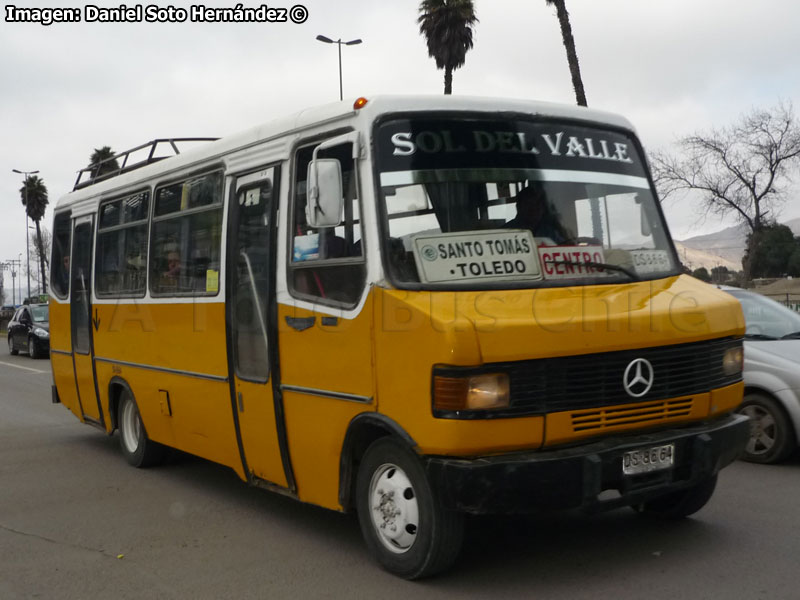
115	388
362	431
787	400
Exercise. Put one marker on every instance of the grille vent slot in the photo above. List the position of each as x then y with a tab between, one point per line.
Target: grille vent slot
651	412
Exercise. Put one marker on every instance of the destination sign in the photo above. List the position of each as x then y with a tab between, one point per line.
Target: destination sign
487	255
569	262
421	144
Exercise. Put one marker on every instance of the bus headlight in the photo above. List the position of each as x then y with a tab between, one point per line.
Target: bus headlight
733	361
485	391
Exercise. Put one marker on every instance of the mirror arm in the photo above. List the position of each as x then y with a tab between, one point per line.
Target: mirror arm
351	137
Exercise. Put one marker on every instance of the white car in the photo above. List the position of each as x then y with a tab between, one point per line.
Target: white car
771	377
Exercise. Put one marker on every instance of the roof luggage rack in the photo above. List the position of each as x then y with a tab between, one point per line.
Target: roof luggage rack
96	173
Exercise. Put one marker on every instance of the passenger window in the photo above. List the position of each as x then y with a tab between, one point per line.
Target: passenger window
62	227
327	263
121	259
186	237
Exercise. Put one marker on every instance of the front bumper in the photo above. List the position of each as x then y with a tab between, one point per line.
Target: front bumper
588	476
42	344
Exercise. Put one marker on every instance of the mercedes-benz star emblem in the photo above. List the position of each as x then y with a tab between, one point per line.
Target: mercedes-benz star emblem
638	378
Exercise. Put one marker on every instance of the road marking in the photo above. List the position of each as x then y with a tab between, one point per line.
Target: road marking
21	367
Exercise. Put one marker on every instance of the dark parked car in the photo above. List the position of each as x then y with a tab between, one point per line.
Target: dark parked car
29	330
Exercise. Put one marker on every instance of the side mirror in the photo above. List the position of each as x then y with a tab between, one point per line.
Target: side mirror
325	199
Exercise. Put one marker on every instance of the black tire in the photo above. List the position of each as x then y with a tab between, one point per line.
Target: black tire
678	505
772	438
32	351
392	491
138	449
11	350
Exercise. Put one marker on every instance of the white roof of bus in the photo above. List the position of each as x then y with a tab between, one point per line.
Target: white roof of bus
310	117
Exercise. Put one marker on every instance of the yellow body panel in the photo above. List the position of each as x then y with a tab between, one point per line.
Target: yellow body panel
417	330
724	400
334	357
187	337
197	418
316	428
60	342
166	349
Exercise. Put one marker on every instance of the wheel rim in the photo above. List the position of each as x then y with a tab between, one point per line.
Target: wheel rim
10	343
394	510
763	430
130	426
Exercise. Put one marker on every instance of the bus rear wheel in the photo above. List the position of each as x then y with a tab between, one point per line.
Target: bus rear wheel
403	523
138	449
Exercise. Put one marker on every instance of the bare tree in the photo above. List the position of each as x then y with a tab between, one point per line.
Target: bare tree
740	169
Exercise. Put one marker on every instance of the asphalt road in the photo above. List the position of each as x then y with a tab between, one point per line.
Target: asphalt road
77	522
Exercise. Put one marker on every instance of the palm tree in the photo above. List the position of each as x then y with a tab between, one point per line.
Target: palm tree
103	159
447	26
34	199
569	44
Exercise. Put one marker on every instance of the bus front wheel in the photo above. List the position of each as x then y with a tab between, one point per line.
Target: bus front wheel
138	449
402	521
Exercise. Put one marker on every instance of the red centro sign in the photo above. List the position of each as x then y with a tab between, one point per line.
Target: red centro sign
568	262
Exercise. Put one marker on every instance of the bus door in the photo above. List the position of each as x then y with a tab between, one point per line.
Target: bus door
251	307
325	343
82	321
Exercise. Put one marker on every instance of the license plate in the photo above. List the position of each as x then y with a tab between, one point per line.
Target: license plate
646	460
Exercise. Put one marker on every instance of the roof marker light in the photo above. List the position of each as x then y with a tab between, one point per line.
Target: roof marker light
360	103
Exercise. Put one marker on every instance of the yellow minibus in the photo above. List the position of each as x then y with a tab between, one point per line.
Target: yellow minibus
410	307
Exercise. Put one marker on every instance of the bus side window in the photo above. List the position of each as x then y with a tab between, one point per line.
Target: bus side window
186	236
122	247
62	227
327	263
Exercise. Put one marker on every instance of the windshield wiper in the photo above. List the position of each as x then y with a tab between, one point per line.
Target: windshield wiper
596	265
758	336
795	335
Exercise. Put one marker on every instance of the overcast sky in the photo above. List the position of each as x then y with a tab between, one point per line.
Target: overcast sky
672	68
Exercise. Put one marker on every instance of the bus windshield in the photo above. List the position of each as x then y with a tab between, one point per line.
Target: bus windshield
490	202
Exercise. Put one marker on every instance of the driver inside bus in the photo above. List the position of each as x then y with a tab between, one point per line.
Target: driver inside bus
534	214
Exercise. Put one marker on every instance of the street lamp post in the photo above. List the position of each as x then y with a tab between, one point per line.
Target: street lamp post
19	268
339	43
27	241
